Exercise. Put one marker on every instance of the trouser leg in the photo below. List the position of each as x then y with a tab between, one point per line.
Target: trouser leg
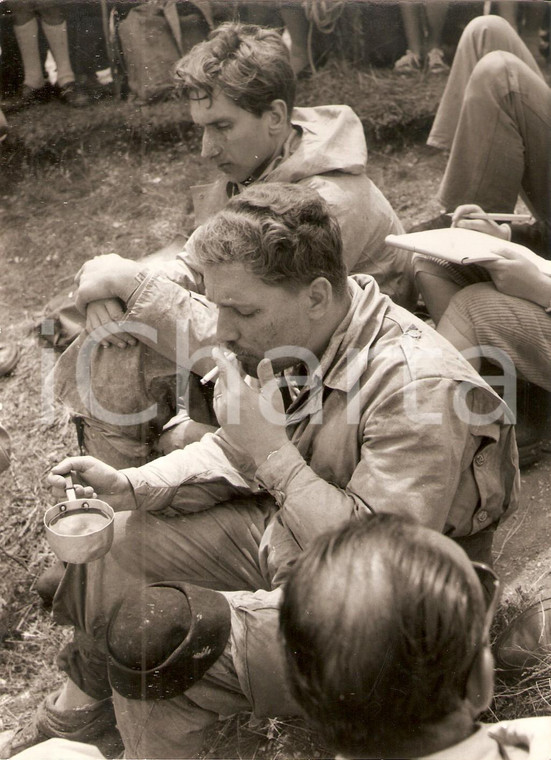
481	36
249	676
501	146
125	396
175	728
217	548
518	328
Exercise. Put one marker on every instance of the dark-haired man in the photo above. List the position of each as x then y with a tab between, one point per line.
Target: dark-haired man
386	626
241	89
334	403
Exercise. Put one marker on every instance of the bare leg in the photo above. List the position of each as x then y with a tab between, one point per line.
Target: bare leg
462	342
436	16
72	697
437	292
412	27
508	10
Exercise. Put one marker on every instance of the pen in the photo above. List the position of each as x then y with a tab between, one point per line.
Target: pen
215	371
498	217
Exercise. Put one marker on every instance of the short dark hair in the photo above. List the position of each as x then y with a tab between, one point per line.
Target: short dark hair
380	628
282	233
248	63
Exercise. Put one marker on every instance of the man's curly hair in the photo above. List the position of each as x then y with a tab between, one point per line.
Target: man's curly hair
249	64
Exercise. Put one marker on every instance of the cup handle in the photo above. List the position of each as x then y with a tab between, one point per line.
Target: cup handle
69	487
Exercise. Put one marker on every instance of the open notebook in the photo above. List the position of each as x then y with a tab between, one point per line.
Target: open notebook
461	246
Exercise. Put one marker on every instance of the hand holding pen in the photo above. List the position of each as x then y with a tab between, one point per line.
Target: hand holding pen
473	217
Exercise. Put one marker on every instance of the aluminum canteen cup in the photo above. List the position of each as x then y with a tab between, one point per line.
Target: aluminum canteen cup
79	530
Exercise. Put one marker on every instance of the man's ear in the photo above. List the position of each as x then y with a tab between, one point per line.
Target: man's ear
320	297
278	116
480	683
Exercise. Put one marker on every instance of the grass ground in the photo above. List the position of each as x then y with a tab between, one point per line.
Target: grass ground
118	180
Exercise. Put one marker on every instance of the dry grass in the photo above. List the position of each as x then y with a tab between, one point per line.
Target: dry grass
30	640
528	693
391	107
395	108
53	218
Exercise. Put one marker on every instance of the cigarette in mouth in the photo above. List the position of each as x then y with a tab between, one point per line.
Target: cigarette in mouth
215	371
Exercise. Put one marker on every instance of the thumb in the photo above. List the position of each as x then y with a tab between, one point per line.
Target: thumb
507	253
78	464
265	372
464	210
270	387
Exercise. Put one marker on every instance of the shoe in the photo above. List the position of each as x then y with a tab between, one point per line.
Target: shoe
442	221
92	725
436	63
409	63
27	96
73	96
47	583
526	641
9	356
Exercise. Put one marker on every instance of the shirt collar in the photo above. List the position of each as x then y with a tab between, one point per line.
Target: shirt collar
478	746
287	149
346	356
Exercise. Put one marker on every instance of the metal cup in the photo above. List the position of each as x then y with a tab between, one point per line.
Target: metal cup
79	530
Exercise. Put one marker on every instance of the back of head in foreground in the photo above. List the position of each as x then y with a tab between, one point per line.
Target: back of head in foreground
386	633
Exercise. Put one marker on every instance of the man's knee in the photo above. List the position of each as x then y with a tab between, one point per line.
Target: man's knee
487	32
163	638
53	16
468	301
491	77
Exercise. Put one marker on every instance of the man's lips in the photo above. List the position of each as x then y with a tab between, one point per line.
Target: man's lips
242	356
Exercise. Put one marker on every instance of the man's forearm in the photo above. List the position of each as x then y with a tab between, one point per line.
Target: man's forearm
177	323
193	479
309	504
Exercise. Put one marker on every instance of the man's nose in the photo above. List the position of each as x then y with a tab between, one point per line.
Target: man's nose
226	330
209	146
